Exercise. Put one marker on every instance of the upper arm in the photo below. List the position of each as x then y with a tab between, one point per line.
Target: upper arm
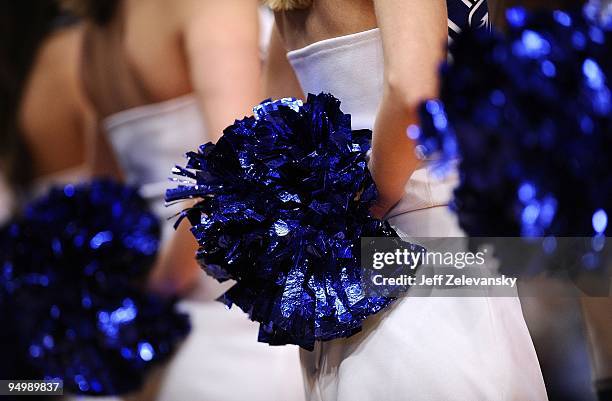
279	78
100	158
414	35
222	49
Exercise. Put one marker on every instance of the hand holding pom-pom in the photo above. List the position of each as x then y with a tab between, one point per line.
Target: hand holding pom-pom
285	199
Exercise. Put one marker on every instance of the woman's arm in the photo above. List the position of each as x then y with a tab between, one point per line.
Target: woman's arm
101	161
222	50
222	44
414	34
279	78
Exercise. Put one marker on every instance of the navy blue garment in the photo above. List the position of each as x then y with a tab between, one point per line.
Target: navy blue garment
466	14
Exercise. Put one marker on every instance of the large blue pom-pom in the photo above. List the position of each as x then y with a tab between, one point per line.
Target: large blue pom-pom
530	115
71	291
285	199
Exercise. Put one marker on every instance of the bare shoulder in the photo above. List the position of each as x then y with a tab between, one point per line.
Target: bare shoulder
52	108
178	12
60	51
55	73
187	10
174	13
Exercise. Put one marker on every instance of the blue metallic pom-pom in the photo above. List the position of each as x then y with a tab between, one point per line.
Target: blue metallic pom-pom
530	115
72	300
284	200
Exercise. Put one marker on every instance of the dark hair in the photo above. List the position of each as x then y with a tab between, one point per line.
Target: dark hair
98	11
23	27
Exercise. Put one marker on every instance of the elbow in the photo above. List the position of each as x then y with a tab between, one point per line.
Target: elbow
407	93
180	286
170	283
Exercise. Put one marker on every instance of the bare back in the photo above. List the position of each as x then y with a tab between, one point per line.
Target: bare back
157	50
325	19
138	58
53	113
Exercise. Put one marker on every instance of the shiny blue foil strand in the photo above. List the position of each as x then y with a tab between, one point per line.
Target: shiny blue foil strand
71	298
530	115
284	199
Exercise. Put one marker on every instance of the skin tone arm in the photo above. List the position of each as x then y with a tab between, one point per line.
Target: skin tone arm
279	78
102	162
225	72
412	55
221	41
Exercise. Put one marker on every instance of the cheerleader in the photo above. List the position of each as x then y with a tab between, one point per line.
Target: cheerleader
43	134
380	59
164	77
49	298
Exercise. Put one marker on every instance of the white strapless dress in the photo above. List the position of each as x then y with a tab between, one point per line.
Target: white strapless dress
421	348
221	360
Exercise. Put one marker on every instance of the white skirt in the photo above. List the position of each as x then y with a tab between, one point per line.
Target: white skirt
221	360
430	348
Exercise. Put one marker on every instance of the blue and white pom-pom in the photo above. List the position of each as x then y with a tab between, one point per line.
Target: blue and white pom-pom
72	300
530	115
284	199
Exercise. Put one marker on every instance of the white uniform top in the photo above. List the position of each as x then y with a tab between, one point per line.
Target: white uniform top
421	348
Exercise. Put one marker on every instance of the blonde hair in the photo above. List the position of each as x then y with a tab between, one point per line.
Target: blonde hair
285	5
